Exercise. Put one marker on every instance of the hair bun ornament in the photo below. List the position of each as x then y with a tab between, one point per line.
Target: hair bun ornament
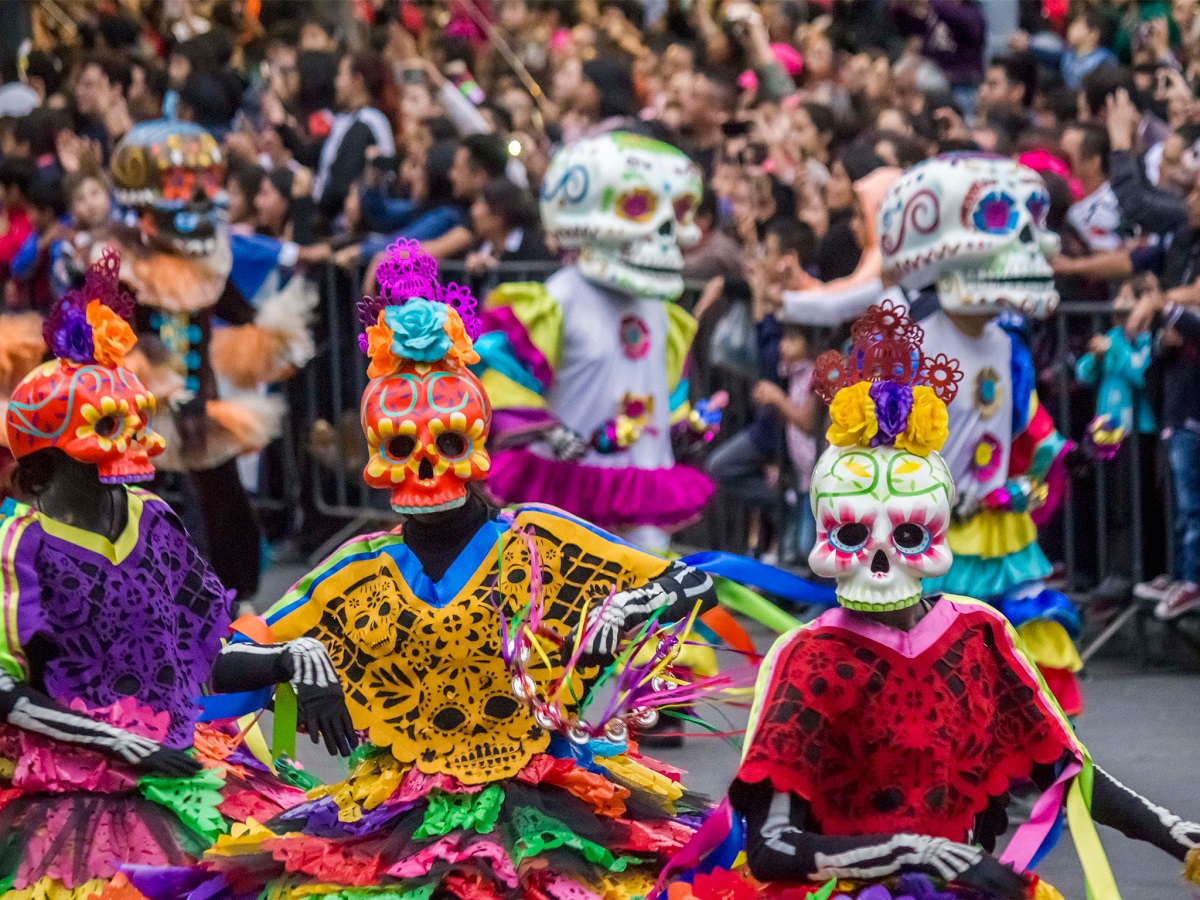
886	392
407	272
90	325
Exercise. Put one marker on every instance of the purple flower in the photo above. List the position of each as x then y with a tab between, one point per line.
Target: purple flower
72	340
893	402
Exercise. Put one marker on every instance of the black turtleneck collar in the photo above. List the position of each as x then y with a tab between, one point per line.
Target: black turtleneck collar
437	539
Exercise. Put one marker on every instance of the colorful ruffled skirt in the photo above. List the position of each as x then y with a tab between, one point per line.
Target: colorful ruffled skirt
997	559
570	826
70	818
723	884
607	496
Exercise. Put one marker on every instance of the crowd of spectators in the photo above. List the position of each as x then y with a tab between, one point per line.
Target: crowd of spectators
350	124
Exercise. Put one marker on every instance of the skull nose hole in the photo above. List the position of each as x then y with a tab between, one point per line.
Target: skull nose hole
1026	235
425	470
667	228
879	563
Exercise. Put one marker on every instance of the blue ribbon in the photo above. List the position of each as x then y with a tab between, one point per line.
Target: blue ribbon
753	573
216	707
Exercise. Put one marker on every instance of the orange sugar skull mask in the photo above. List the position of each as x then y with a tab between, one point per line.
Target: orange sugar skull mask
426	427
93	413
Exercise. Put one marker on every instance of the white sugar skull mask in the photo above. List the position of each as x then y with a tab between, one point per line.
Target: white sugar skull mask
882	516
975	226
627	204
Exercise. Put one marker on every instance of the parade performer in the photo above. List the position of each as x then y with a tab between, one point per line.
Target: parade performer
964	235
177	260
587	371
112	621
885	734
454	645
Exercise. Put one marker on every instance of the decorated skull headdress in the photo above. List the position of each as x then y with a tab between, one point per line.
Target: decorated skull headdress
881	493
974	226
426	416
173	174
85	402
627	204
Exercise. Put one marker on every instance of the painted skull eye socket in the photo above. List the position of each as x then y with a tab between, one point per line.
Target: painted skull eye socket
638	205
1038	206
911	539
996	213
683	208
452	445
109	426
851	537
401	447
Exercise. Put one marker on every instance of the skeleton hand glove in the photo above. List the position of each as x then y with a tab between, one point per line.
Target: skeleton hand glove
321	705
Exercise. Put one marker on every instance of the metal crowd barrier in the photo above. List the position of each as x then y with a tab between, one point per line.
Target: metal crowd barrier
1097	535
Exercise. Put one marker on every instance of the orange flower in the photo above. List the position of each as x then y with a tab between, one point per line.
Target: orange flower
112	337
461	351
379	348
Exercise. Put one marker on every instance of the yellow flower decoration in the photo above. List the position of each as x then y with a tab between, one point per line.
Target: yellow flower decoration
112	337
852	415
461	349
379	348
117	431
928	423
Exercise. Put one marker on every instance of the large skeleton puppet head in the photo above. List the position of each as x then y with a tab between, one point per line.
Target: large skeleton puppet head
85	402
425	414
627	204
974	226
881	493
173	174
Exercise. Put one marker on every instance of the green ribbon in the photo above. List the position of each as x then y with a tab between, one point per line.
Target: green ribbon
283	734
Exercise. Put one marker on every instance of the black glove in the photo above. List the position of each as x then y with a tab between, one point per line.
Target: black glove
170	763
320	703
322	712
995	879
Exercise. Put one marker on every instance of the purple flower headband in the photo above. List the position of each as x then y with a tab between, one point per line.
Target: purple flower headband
408	272
67	331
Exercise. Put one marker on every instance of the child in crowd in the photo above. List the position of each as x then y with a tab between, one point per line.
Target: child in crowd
29	288
16	174
89	203
747	464
798	410
1116	364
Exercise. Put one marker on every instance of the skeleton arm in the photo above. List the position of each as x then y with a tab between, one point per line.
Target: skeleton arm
34	711
779	849
676	591
1117	806
303	663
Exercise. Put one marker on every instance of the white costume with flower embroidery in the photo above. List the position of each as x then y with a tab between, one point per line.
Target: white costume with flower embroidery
586	372
980	442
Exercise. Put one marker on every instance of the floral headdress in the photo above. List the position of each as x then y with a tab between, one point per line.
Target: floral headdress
90	326
885	392
415	317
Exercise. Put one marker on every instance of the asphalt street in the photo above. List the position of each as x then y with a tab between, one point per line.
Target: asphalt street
1143	728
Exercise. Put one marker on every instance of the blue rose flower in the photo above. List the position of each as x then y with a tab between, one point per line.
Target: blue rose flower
418	330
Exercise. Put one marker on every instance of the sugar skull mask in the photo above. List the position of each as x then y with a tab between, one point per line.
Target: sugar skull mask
426	427
975	226
627	204
172	173
882	516
93	413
